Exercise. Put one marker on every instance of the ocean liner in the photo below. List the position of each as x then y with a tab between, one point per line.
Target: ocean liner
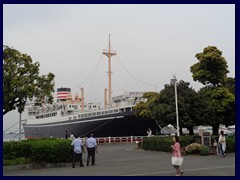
116	118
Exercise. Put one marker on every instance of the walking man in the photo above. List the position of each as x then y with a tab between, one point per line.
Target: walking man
77	151
91	145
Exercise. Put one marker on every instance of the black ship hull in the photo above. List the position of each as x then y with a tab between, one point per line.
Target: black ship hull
115	125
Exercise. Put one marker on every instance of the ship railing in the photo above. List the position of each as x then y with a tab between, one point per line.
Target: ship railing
124	139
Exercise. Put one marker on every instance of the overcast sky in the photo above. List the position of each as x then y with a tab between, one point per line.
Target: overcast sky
153	42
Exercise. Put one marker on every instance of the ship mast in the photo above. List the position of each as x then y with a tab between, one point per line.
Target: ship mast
82	100
109	54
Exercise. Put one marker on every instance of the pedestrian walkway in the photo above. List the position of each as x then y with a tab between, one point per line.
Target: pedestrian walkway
125	160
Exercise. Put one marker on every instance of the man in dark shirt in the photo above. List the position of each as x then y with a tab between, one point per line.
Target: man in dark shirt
66	135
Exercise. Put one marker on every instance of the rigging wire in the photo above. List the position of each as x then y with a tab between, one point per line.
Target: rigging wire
92	131
89	74
11	126
99	82
16	135
146	83
122	77
91	84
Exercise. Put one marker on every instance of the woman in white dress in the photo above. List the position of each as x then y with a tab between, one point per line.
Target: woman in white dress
222	144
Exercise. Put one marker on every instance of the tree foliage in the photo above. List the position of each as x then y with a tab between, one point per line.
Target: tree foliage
217	107
143	108
165	110
211	68
162	108
22	81
230	84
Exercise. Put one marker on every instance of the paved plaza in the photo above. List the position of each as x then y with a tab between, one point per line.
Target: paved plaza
125	160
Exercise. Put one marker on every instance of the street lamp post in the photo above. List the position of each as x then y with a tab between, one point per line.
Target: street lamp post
19	132
174	81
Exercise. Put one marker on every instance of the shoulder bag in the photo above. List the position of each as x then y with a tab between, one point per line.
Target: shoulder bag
177	161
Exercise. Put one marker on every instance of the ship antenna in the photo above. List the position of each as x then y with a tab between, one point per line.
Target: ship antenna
109	54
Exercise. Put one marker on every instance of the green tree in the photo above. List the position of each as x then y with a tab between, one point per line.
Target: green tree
230	84
211	68
143	109
22	81
164	110
217	107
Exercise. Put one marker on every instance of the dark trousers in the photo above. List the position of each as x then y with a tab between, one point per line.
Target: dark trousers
91	154
77	157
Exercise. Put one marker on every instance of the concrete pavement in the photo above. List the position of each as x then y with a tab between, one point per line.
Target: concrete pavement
125	160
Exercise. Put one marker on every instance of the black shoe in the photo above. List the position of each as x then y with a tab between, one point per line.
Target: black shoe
81	165
73	167
93	164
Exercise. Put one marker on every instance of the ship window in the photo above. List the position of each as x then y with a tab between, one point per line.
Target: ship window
85	115
70	118
115	110
74	117
89	114
82	115
94	114
98	113
79	116
111	111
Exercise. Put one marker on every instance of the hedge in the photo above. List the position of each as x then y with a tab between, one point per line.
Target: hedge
39	150
157	143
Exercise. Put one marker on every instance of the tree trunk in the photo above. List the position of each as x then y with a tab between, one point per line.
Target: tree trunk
190	129
180	131
215	129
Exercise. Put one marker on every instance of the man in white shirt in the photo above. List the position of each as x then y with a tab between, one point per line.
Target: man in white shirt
149	132
77	151
91	145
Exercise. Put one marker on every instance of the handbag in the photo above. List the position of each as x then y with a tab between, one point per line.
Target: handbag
215	144
177	161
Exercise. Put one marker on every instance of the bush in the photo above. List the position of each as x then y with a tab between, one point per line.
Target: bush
230	144
17	161
188	144
38	150
193	148
204	150
52	151
158	143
